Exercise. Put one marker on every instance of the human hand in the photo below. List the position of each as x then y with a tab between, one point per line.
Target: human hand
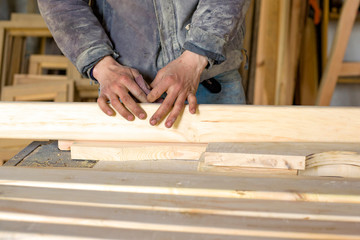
180	80
116	81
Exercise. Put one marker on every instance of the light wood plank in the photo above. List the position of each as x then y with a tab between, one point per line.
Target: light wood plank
303	189
245	171
333	67
284	148
212	123
155	166
127	151
283	56
254	160
267	53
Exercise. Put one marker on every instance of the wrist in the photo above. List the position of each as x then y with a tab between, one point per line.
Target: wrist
199	60
101	66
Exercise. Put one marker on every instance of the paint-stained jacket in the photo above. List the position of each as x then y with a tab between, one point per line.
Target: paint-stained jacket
147	34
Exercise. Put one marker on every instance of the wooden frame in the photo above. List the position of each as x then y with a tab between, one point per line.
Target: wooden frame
40	62
10	30
21	79
212	123
335	63
57	91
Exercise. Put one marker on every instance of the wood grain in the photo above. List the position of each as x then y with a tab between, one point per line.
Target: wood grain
87	204
212	123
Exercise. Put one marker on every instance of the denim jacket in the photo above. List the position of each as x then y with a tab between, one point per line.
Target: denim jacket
148	34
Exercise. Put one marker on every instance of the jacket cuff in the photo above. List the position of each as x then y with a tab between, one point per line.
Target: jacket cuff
89	58
206	44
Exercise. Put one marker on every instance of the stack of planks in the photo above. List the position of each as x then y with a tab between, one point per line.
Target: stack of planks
90	204
210	197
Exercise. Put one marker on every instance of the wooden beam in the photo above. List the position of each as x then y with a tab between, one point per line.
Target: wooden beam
212	123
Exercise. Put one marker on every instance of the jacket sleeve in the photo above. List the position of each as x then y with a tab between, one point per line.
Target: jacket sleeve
76	31
215	24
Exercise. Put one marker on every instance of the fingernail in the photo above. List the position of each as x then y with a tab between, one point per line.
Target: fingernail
153	122
170	123
142	115
193	111
110	113
130	118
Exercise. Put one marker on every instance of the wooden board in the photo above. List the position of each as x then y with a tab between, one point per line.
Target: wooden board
254	160
267	53
154	166
212	123
268	155
63	203
127	151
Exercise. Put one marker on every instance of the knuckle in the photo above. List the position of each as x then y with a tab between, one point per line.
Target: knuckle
126	98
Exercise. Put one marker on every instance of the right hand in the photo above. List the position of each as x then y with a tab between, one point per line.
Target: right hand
116	81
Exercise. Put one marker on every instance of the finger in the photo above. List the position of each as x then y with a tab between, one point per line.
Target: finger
119	107
159	86
141	83
192	103
102	102
175	112
136	91
158	91
130	104
164	109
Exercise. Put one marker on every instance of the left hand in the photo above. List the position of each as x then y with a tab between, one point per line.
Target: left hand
180	80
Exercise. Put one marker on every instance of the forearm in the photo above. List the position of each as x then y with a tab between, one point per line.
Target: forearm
76	31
